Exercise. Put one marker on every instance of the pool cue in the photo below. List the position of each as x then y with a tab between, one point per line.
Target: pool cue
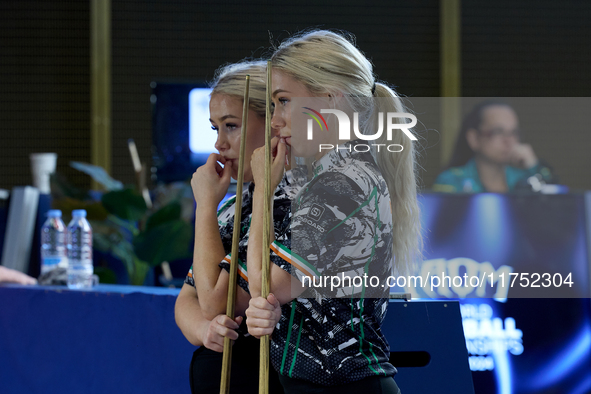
264	351
231	301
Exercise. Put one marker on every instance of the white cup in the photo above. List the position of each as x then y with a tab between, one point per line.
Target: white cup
42	166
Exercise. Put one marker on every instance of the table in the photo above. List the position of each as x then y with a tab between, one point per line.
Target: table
113	339
123	339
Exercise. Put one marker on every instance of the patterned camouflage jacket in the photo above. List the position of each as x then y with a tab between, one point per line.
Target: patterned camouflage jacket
341	225
281	210
340	222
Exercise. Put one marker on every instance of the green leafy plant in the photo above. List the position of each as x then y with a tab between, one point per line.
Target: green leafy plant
126	229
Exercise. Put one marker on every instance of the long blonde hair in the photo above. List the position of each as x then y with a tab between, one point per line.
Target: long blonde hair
230	80
327	62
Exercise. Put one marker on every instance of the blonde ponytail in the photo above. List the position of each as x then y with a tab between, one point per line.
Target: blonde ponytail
399	171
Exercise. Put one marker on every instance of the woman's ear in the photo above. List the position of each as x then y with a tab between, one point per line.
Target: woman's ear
333	95
472	139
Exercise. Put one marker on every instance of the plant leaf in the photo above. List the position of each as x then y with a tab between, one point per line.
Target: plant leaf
166	242
95	210
126	204
106	275
62	188
165	214
140	270
98	174
109	239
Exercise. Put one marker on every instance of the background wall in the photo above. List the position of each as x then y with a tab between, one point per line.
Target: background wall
535	49
509	49
44	86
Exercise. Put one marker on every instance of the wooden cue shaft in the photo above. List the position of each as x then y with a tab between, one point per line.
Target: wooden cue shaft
231	301
264	350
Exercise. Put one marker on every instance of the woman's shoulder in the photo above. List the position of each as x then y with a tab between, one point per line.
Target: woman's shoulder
361	169
345	181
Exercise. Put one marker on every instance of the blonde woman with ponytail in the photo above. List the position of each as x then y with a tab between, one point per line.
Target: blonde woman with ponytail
358	213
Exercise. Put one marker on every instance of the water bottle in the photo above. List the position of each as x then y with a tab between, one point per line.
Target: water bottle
53	242
79	240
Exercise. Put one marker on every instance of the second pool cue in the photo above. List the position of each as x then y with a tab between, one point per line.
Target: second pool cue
231	301
265	285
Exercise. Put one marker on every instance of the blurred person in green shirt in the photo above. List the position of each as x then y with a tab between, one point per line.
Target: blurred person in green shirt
489	157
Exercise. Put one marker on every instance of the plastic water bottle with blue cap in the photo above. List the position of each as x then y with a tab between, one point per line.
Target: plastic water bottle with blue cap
53	243
79	238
